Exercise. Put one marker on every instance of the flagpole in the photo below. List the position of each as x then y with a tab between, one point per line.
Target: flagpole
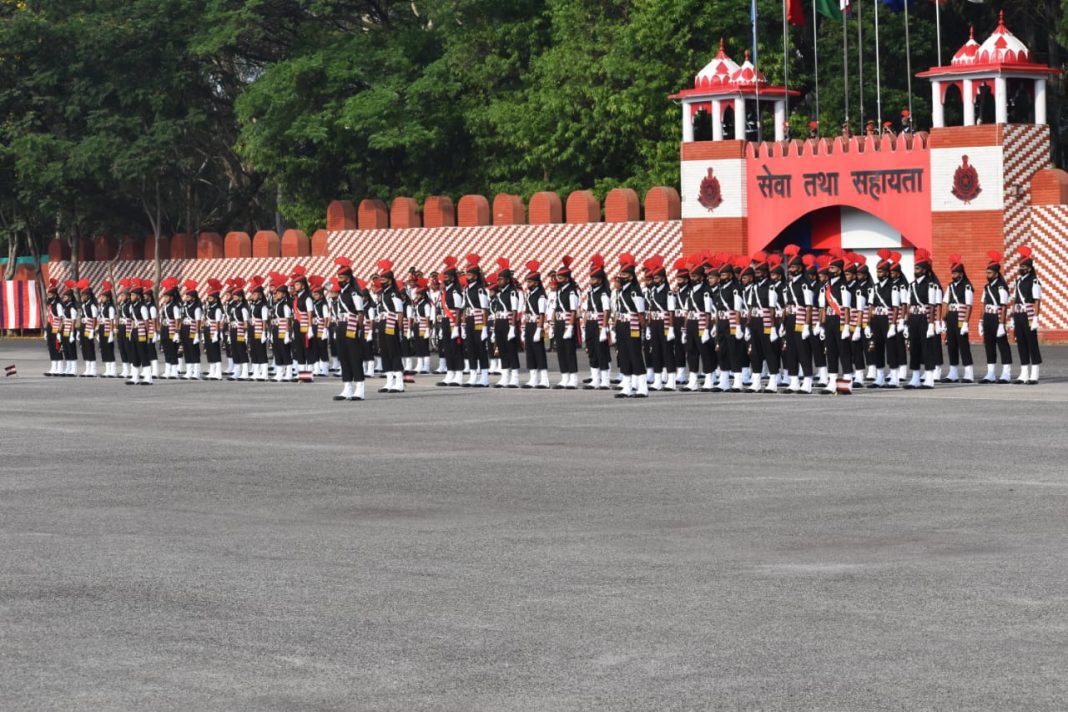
845	62
878	72
756	72
938	28
908	57
860	60
816	55
785	65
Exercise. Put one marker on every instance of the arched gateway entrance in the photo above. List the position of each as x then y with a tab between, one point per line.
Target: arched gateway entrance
845	228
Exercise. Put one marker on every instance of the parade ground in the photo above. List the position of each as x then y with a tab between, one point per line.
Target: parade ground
243	546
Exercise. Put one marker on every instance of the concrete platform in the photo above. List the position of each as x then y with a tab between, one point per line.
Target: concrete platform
223	546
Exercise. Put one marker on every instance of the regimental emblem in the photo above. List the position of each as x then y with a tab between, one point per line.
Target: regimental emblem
710	195
966	182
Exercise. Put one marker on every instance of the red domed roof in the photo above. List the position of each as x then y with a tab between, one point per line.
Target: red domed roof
966	55
1003	47
718	72
747	75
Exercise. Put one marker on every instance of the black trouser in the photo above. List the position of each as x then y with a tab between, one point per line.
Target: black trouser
798	358
192	351
957	344
451	348
629	349
1026	341
763	350
920	356
299	348
693	347
257	349
859	348
55	352
679	347
238	349
881	354
124	345
107	348
170	348
88	347
729	347
536	358
661	351
350	354
507	349
390	349
281	352
707	350
598	351
136	349
70	348
994	343
839	355
213	350
566	348
319	349
818	347
475	347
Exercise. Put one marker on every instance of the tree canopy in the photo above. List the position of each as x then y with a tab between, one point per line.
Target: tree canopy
140	117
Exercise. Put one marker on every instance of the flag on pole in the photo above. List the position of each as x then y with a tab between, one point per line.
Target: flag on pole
898	5
829	8
19	308
795	13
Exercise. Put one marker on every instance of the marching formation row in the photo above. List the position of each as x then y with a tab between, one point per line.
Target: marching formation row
758	323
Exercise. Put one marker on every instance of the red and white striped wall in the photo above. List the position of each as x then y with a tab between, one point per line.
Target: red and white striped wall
426	248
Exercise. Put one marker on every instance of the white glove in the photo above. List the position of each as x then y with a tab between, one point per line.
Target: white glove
940	327
537	335
552	331
845	332
739	332
648	334
774	335
215	339
930	331
284	341
684	337
901	326
822	334
569	332
1001	330
511	332
892	331
671	333
485	333
905	332
805	331
856	334
867	332
1033	324
964	329
463	332
602	334
704	336
196	340
981	334
748	335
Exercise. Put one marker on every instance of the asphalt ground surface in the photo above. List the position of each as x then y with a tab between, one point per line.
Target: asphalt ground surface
224	546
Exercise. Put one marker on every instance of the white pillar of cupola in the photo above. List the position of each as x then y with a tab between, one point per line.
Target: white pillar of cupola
687	122
968	96
1001	100
780	120
717	120
739	118
938	114
1040	101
